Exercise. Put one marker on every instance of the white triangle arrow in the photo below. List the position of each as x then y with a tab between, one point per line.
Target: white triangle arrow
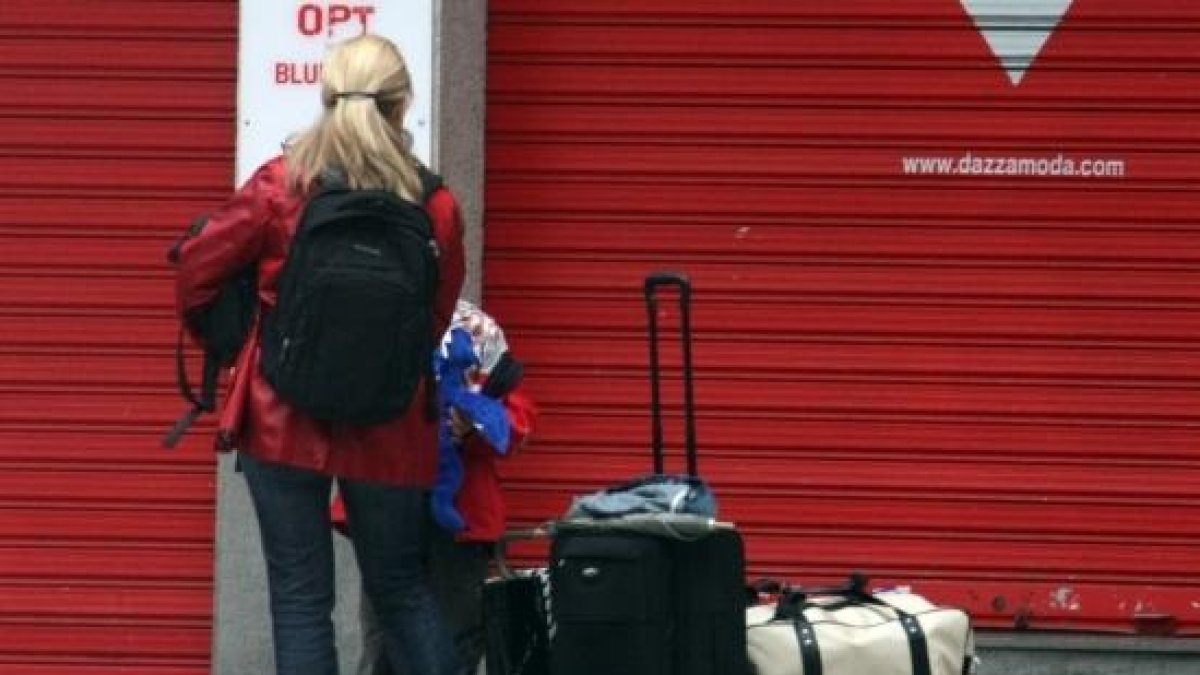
1016	30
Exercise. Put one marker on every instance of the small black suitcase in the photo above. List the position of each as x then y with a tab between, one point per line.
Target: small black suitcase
516	613
631	603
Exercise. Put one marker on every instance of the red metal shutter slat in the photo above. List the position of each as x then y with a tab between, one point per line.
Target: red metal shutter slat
118	129
980	385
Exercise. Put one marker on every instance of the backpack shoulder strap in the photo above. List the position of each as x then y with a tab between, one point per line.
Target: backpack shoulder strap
430	183
205	402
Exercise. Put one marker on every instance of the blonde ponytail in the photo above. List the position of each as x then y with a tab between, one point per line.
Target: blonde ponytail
365	90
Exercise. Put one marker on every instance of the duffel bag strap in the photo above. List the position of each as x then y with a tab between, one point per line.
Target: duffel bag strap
810	651
918	647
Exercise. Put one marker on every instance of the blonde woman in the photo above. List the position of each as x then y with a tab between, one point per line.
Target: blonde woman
289	459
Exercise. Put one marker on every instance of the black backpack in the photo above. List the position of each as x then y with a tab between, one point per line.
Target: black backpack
222	327
352	333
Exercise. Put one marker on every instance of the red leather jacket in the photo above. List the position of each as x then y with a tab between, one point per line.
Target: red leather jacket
257	225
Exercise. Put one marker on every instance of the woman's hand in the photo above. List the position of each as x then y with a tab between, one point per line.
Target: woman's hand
461	427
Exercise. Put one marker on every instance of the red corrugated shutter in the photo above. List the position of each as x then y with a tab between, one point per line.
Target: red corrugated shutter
986	387
117	128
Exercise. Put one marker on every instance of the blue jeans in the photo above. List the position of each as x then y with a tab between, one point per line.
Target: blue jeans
458	571
389	535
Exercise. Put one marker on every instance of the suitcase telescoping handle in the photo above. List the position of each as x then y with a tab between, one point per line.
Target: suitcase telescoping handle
653	283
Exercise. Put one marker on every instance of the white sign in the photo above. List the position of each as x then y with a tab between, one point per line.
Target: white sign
279	66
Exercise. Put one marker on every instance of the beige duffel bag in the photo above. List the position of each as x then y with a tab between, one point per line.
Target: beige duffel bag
853	632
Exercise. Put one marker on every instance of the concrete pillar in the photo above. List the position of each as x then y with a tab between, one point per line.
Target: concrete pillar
461	63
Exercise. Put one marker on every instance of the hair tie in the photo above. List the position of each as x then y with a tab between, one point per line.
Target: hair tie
385	108
357	94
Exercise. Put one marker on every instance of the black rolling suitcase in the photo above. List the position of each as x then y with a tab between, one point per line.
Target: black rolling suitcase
629	602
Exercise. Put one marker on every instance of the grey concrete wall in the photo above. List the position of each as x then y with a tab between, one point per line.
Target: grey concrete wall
1067	654
241	636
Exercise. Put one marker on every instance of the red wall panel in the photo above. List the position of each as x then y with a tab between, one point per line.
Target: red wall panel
117	128
981	386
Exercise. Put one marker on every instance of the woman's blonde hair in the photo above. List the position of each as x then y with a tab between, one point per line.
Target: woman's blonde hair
365	90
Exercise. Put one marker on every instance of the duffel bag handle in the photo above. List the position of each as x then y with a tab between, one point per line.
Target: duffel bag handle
792	605
794	601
